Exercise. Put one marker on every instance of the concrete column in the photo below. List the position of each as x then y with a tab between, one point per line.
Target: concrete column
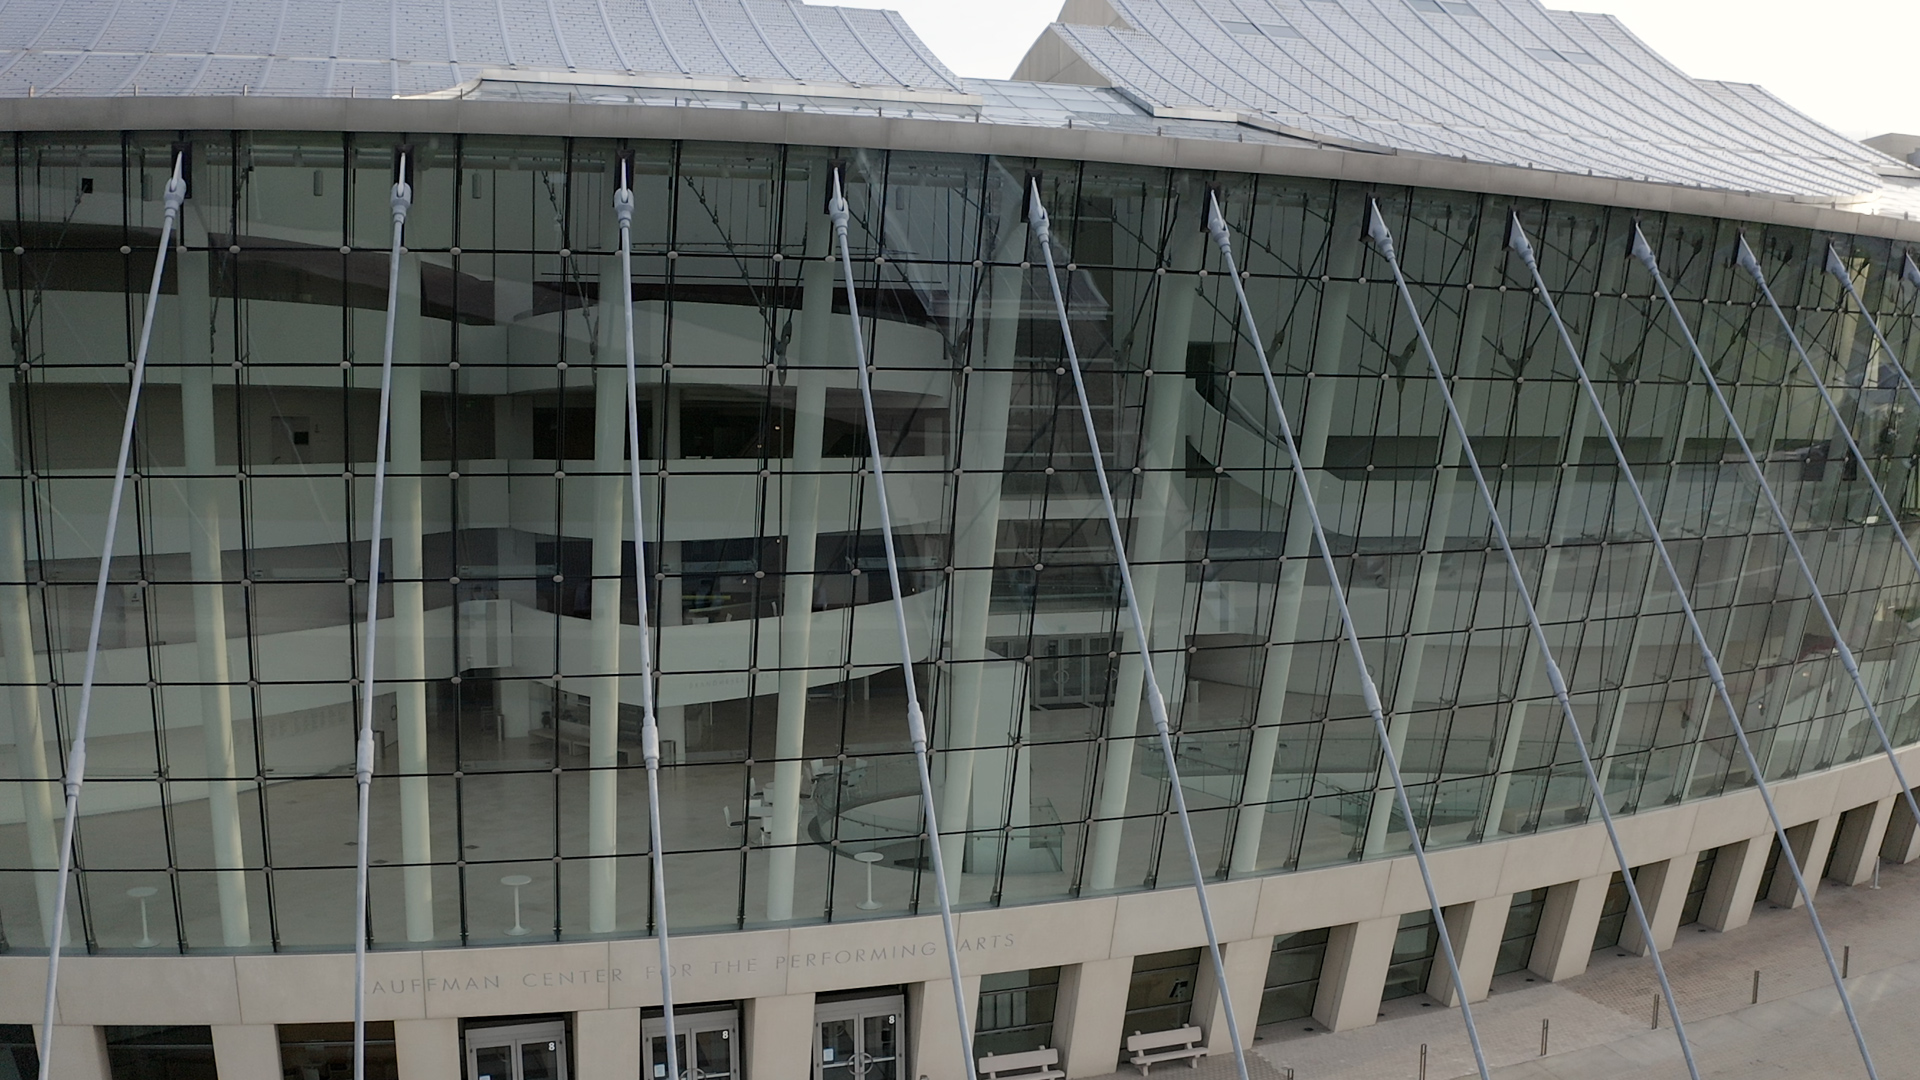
1091	1010
1270	708
26	696
81	1052
606	1044
1354	973
931	1027
406	642
246	1051
1154	530
1565	940
813	353
982	454
1475	929
1862	831
1663	890
779	1033
1246	963
1448	487
610	515
1902	844
429	1049
1736	877
207	514
1811	842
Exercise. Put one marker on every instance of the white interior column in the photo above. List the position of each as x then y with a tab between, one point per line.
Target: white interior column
610	514
806	366
1162	452
26	695
408	639
1311	438
207	513
980	458
1447	488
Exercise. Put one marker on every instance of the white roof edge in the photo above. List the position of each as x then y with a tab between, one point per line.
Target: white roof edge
709	84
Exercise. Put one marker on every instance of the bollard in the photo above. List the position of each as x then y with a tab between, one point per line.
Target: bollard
1846	961
1543	1038
1756	986
1656	1012
1423	1061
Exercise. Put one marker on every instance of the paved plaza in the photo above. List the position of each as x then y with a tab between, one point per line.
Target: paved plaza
1599	1023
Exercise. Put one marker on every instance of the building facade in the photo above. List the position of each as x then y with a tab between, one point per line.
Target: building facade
511	918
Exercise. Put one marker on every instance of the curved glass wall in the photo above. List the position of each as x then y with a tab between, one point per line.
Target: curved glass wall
220	810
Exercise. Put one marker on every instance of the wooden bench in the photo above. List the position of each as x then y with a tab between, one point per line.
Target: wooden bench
1041	1064
1154	1047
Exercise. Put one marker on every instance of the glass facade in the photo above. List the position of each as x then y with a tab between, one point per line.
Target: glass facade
510	792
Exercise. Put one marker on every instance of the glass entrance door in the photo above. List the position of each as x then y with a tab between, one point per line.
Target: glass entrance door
519	1052
859	1039
712	1036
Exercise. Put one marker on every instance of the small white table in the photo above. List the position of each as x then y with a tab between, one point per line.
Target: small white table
514	881
869	857
140	893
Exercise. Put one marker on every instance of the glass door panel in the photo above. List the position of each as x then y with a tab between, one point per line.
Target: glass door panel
879	1052
538	1060
657	1047
493	1063
713	1054
839	1050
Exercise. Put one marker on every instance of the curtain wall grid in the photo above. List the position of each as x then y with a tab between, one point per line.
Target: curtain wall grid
1382	240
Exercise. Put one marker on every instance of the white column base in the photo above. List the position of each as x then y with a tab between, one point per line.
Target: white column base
428	1049
1354	973
1862	830
1476	929
1091	1011
779	1034
1567	926
606	1044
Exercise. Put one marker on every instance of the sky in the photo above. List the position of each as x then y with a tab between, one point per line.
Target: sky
1844	62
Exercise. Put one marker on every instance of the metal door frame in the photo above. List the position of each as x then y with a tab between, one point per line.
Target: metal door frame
687	1025
894	1004
512	1036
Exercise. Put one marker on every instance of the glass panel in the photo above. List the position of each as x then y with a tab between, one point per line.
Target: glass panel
493	1063
880	1050
838	1048
713	1054
539	1060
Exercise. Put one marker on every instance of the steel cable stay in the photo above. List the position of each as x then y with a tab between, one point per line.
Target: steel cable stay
1517	240
76	771
399	201
839	214
1382	239
1838	269
1370	691
1156	703
649	722
1644	253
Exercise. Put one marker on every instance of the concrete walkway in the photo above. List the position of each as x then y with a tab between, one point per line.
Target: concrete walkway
1599	1022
